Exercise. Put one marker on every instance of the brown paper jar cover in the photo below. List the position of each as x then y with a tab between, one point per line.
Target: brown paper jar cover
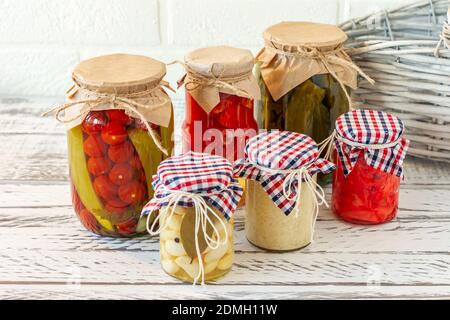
296	51
137	78
219	69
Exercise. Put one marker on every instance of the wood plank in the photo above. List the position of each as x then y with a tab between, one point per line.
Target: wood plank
188	292
330	236
21	115
415	201
296	268
43	157
36	144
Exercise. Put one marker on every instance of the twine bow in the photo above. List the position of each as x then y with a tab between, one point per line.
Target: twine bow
327	144
328	59
193	80
202	220
296	177
117	102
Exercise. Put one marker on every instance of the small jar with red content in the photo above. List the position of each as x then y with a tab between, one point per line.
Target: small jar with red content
220	94
370	151
119	128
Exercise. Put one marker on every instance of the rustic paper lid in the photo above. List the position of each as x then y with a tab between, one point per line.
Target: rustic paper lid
220	61
118	71
306	34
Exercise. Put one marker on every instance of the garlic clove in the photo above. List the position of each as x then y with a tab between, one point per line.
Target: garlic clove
211	266
170	266
218	253
174	247
226	262
189	265
168	235
175	223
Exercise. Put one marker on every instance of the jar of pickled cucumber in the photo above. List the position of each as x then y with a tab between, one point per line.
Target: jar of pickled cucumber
283	197
220	94
370	148
120	123
305	76
196	196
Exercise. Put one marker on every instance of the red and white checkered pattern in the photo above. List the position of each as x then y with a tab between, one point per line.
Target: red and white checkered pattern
370	130
202	174
270	156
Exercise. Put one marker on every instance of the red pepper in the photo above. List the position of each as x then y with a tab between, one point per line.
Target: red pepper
366	195
231	113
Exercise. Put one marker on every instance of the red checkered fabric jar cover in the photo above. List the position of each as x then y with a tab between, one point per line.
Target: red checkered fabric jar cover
271	157
375	135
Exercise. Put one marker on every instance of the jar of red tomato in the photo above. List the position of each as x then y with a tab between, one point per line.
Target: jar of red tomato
220	94
120	124
370	151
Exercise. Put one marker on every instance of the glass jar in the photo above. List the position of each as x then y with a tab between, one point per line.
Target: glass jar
366	196
195	196
112	155
178	253
220	95
370	152
305	78
282	202
266	225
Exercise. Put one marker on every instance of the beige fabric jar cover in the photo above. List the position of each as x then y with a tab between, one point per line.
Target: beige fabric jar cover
219	69
296	51
118	81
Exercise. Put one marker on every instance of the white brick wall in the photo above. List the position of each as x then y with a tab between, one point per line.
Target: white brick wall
42	40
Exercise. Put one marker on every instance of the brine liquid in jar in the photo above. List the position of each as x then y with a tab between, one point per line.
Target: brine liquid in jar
178	250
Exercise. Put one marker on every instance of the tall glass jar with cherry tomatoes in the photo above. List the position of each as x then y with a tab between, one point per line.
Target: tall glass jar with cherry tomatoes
120	124
220	94
370	149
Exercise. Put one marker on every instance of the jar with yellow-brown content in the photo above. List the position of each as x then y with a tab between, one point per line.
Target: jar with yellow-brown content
196	196
283	197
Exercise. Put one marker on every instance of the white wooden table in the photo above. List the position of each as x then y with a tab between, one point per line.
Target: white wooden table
45	253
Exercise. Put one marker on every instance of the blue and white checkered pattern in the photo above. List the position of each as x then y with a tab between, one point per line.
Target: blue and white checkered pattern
202	174
371	128
270	152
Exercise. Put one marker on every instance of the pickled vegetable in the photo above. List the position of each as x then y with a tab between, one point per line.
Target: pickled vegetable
178	254
367	195
112	161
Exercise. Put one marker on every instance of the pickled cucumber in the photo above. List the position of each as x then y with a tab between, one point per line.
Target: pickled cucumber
303	104
166	137
148	152
81	179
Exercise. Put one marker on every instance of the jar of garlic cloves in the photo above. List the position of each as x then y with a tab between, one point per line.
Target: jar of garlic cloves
283	197
196	196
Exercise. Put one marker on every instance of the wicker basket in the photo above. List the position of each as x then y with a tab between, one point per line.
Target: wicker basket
406	51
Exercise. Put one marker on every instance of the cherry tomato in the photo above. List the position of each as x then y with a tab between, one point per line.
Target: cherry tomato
99	166
94	122
132	193
93	146
89	221
121	152
104	187
116	206
121	173
119	116
141	125
135	162
114	133
128	227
